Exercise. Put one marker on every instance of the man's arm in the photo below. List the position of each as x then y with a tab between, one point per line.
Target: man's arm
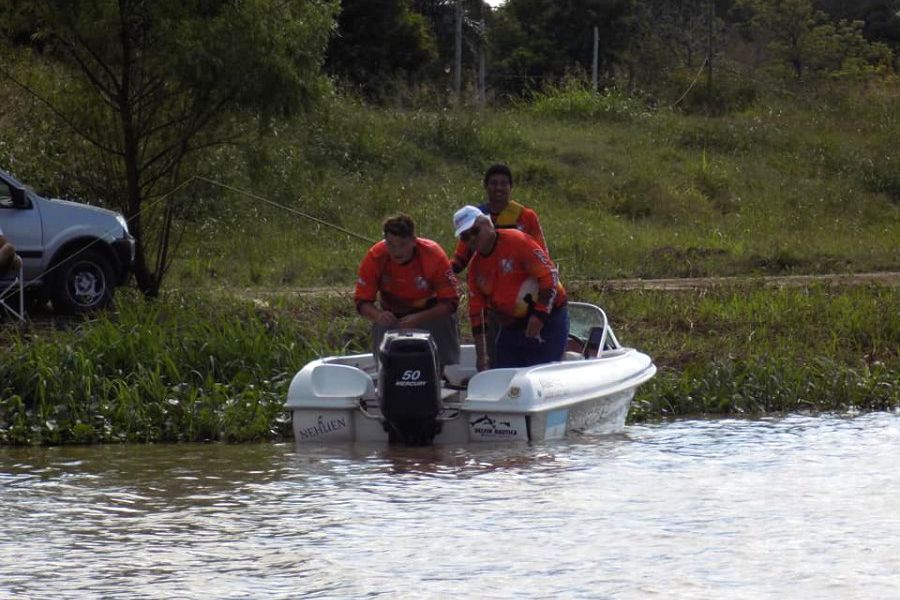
9	260
367	291
532	226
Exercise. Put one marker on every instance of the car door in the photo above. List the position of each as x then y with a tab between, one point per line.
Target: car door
22	227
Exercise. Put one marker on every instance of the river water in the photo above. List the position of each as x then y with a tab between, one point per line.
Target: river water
793	507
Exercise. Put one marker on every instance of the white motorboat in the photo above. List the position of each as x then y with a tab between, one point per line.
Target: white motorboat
403	396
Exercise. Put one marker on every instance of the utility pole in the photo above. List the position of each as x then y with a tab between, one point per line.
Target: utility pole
482	42
457	65
482	85
596	64
711	15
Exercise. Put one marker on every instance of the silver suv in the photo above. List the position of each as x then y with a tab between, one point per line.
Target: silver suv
73	254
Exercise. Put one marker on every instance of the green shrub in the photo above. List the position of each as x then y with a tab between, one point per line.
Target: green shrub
575	100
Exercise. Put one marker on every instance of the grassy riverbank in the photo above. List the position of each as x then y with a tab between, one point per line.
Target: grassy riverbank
213	368
801	182
799	186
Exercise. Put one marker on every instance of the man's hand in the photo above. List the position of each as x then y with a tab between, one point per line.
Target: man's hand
410	321
534	327
386	318
9	260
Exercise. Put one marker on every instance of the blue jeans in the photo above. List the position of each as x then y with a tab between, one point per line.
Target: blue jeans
516	350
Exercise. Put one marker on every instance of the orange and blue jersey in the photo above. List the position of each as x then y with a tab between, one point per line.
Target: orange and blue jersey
409	287
516	279
514	216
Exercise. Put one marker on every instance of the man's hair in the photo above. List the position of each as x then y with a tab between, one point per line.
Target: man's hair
500	169
400	225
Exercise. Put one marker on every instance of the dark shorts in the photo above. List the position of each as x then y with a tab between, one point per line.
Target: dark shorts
516	350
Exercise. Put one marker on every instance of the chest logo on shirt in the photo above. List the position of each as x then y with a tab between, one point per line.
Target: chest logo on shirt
506	265
421	283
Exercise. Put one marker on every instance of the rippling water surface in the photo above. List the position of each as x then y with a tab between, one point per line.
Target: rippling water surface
798	507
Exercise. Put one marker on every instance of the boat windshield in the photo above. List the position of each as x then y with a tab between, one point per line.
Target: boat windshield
583	317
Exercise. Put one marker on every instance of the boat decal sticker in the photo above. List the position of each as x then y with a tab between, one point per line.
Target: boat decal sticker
321	427
556	423
510	427
411	378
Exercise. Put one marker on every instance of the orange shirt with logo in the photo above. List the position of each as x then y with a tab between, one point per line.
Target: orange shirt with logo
514	216
516	267
409	287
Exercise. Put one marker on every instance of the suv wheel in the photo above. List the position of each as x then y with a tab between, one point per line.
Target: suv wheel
83	283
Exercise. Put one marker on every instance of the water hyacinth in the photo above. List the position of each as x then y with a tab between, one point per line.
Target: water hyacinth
198	368
177	369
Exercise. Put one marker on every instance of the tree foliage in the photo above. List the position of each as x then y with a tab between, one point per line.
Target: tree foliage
441	16
804	38
147	85
378	41
538	41
880	18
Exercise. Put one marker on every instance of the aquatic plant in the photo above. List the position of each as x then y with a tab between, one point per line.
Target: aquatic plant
179	369
217	366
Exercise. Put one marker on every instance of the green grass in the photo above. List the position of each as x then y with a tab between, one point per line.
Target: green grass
217	367
780	185
748	349
778	188
178	369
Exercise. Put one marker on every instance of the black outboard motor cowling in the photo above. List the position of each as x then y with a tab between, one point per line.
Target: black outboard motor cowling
409	387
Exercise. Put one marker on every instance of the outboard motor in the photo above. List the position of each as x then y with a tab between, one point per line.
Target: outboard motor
409	387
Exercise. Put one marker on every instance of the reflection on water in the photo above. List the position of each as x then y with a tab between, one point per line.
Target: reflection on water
792	507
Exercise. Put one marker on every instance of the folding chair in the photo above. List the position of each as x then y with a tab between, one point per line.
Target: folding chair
12	296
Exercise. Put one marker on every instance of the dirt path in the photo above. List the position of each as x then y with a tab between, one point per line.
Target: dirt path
890	278
692	283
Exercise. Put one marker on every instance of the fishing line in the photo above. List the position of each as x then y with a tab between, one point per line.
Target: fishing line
151	203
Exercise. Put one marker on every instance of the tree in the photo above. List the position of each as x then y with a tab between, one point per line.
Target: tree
538	41
809	42
441	16
377	41
149	85
881	18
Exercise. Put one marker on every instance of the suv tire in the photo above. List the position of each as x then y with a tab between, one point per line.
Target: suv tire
82	283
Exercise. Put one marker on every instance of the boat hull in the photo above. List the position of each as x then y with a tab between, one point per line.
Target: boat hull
501	405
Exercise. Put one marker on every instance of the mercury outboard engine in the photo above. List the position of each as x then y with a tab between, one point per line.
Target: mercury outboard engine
409	387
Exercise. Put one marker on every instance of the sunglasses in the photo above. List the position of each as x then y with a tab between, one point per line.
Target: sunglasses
469	233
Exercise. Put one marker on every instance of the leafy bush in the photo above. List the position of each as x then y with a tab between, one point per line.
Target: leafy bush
181	369
574	99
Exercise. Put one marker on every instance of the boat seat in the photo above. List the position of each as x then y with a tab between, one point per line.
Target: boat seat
458	376
596	342
12	296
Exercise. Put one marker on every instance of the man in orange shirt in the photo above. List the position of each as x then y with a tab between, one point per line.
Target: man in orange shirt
415	288
511	275
504	213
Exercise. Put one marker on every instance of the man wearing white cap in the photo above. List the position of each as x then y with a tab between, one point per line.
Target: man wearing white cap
511	275
505	213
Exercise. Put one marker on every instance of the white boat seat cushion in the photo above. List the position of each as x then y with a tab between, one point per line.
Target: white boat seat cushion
458	375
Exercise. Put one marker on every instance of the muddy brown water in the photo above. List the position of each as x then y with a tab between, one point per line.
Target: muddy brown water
796	507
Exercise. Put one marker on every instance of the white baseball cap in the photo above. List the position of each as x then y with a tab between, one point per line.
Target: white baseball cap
465	218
